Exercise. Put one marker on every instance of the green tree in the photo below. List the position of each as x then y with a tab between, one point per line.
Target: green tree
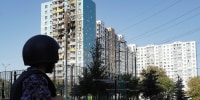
194	87
96	69
165	83
149	84
85	83
132	85
164	86
167	86
91	82
179	92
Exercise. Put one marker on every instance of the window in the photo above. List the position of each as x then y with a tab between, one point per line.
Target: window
79	10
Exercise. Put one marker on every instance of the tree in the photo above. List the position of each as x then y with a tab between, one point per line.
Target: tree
90	82
149	84
96	69
179	92
165	83
194	87
133	84
85	84
157	76
167	86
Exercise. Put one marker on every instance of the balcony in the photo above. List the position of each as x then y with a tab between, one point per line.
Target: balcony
60	10
72	55
72	49
53	11
60	0
72	1
61	27
60	53
71	61
55	5
60	16
61	4
61	56
73	14
59	63
60	22
54	17
72	43
54	22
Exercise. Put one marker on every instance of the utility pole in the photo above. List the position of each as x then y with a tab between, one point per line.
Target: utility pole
137	94
66	68
67	30
127	55
132	61
135	63
119	63
115	55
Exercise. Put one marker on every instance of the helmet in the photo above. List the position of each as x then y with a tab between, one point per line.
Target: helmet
40	49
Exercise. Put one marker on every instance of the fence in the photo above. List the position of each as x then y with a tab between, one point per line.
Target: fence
6	80
8	77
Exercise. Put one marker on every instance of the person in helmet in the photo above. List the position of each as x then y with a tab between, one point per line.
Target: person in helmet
40	52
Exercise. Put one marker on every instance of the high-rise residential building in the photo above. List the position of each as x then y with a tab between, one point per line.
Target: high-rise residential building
178	59
131	59
115	54
101	38
122	67
46	18
108	40
111	51
73	24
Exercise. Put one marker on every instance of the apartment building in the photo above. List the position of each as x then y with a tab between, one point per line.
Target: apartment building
101	38
131	59
121	55
107	38
46	18
115	53
73	24
111	51
178	59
